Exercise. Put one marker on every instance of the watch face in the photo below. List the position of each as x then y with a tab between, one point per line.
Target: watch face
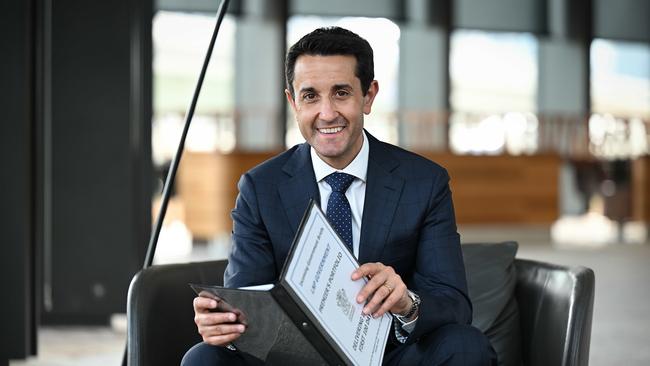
416	298
414	305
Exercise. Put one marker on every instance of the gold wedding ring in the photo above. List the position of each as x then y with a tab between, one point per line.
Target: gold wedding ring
390	289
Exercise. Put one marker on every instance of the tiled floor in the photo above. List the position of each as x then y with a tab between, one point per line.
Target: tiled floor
620	333
77	346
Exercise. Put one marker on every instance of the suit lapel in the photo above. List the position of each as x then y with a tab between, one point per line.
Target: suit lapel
383	190
301	186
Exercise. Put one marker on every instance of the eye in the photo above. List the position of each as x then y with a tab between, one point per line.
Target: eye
342	93
309	97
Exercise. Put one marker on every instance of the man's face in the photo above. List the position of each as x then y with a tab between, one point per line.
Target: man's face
329	106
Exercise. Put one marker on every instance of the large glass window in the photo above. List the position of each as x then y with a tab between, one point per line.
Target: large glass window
620	99
383	35
180	41
493	92
620	78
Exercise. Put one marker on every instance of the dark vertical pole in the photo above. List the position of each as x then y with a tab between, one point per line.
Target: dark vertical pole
17	316
142	111
440	14
442	17
283	18
41	16
96	156
171	175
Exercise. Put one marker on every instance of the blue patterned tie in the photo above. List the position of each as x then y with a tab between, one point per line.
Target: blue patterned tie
338	207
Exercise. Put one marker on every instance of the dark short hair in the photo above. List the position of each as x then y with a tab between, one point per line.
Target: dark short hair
329	41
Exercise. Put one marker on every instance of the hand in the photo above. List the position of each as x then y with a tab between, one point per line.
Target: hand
384	292
216	328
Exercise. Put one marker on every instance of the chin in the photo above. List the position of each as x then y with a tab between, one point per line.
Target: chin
328	153
328	148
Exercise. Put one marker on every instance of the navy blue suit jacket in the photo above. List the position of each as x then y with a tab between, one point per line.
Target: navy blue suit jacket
408	223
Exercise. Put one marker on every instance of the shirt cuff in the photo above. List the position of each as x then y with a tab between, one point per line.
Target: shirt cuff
403	329
407	326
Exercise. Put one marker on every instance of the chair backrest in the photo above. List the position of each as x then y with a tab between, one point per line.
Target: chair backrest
160	314
556	307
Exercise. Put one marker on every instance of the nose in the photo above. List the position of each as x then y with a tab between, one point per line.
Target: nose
327	110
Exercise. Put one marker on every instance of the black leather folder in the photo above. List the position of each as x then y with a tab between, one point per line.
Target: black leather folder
277	328
280	328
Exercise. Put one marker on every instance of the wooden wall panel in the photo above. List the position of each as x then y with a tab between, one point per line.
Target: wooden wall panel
486	189
207	185
503	189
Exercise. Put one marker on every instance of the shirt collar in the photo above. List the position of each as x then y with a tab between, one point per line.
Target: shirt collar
358	167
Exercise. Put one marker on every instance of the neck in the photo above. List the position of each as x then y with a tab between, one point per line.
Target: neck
341	162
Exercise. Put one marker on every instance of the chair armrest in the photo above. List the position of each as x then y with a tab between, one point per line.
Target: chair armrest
160	314
556	307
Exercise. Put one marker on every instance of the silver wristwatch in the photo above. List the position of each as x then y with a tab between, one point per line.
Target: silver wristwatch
415	304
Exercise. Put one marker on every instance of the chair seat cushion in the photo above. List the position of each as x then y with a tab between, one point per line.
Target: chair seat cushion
491	279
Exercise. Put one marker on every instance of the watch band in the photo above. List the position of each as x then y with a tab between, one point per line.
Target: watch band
415	304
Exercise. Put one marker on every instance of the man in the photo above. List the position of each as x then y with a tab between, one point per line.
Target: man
400	218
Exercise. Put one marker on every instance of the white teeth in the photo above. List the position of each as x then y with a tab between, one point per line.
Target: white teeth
331	130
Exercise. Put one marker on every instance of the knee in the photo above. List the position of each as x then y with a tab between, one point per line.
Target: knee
202	354
462	344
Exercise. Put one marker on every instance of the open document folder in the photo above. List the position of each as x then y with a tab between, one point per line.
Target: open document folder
310	316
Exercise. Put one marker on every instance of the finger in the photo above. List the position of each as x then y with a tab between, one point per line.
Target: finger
368	269
221	329
207	319
370	288
221	340
204	304
391	301
378	298
374	283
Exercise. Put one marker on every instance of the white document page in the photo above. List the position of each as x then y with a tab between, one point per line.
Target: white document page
320	273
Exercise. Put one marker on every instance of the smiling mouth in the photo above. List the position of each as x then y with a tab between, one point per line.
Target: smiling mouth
331	130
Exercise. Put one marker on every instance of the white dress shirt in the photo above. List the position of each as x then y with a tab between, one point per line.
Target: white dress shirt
356	195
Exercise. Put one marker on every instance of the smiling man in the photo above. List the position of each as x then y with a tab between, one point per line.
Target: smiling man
329	103
392	207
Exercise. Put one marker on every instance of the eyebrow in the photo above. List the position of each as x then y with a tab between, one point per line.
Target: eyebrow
308	89
311	89
341	86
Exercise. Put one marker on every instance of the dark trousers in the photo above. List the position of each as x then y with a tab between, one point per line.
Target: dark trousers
449	345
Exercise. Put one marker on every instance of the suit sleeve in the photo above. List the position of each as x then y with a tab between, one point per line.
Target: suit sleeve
439	276
251	260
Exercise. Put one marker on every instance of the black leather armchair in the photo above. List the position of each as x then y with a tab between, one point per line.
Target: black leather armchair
160	326
555	311
556	307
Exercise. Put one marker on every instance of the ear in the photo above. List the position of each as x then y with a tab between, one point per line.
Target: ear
369	98
290	99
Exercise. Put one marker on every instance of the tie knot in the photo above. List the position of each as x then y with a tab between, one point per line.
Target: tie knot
339	181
